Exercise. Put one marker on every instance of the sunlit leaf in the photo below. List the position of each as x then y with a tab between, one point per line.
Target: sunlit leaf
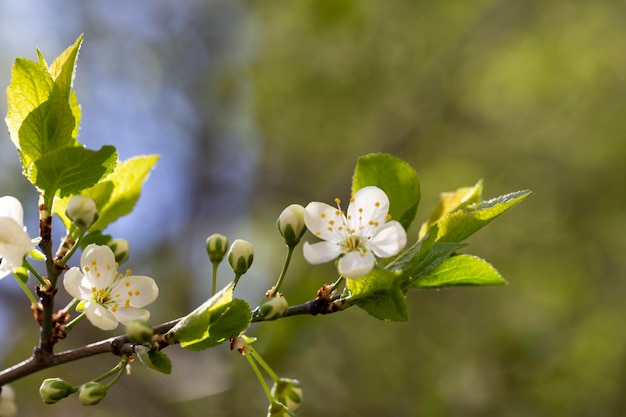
460	270
458	225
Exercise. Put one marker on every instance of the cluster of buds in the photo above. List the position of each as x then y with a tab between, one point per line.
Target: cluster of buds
53	390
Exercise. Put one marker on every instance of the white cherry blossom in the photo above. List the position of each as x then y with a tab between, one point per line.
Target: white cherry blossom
109	297
358	237
14	241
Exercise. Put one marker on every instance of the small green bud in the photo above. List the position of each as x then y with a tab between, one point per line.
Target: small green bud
291	224
120	249
139	331
240	256
82	211
288	392
273	307
7	402
91	393
54	389
216	247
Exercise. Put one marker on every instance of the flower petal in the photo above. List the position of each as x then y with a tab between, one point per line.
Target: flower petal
74	284
11	207
134	291
356	264
98	265
368	209
388	240
320	252
99	316
5	268
127	314
324	221
14	242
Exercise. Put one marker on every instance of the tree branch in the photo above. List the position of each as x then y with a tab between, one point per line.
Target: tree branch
119	345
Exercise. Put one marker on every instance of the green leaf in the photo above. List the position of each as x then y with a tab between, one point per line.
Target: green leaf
154	359
117	194
225	323
461	270
396	178
452	201
213	322
423	257
458	225
379	294
42	110
63	68
71	170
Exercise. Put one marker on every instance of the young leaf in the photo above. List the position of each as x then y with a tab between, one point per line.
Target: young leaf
458	225
154	359
379	294
460	270
421	258
396	178
42	110
117	194
230	320
452	201
71	170
213	322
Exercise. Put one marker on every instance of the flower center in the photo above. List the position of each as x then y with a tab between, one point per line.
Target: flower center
100	296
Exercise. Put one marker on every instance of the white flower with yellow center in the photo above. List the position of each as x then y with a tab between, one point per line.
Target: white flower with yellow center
14	241
109	297
357	237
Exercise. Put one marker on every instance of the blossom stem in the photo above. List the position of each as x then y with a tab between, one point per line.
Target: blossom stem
71	304
283	272
34	272
264	364
257	371
75	321
334	286
237	276
214	287
120	371
27	291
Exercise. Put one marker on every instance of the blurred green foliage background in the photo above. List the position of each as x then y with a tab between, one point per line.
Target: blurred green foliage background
523	94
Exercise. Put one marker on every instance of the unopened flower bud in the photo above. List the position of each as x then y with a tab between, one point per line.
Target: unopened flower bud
139	331
288	392
54	389
82	211
291	224
120	249
91	393
273	307
7	402
240	256
216	247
